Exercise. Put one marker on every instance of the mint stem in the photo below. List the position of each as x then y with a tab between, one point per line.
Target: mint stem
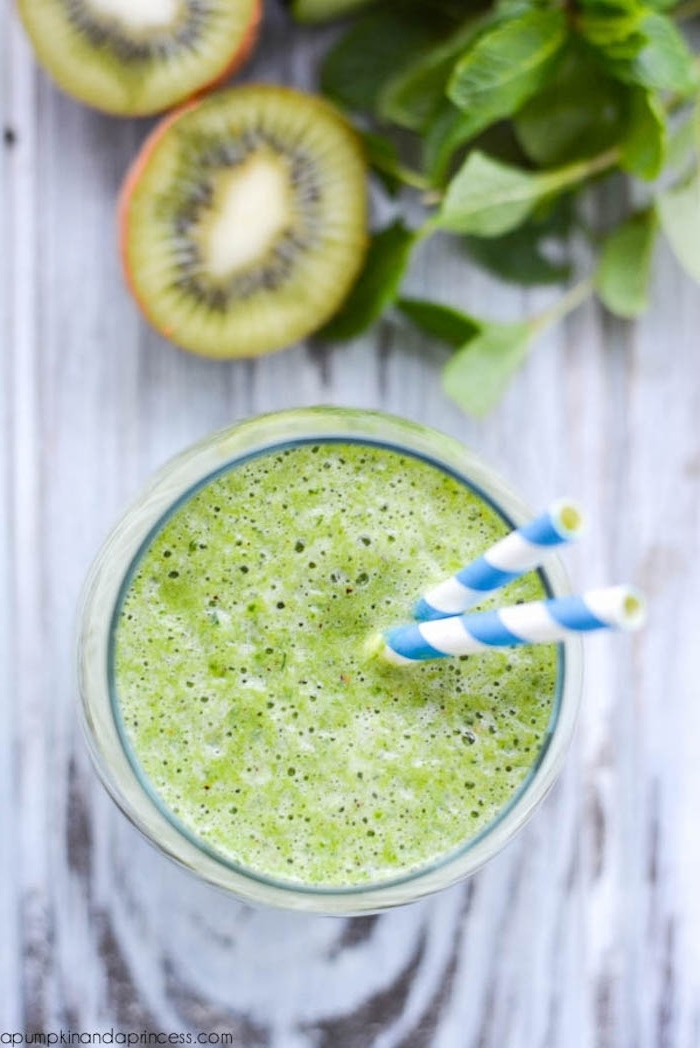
568	302
573	173
411	178
426	230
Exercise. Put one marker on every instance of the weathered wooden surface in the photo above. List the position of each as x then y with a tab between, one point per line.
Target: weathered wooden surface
586	930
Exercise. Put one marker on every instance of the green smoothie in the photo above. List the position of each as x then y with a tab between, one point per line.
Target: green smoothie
247	700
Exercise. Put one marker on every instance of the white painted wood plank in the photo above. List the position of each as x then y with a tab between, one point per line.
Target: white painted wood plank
663	689
27	798
10	1004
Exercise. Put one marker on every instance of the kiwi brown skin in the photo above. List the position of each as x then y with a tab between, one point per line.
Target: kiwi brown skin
129	186
234	62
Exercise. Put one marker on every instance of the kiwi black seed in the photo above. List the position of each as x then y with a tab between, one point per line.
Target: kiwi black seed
133	57
243	220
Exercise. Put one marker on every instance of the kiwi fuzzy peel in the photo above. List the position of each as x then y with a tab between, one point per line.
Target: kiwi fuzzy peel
243	220
136	57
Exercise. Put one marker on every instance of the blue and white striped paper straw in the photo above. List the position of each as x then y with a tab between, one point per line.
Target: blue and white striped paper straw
519	552
541	622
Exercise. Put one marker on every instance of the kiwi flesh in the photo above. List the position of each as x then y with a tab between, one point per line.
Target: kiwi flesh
135	57
243	220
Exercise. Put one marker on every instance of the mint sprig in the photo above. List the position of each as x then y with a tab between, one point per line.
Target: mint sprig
623	275
499	120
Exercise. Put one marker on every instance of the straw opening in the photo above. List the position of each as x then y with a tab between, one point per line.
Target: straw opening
568	517
633	610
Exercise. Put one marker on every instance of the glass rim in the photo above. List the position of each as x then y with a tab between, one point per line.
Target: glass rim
169	489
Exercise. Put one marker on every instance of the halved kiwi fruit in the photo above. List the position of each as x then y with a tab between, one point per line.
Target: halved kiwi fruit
243	220
133	57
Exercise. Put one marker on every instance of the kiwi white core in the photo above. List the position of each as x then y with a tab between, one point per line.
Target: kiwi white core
140	14
252	208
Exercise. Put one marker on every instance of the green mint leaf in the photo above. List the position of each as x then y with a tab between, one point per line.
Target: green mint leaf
478	374
312	11
663	62
684	144
517	257
614	30
509	9
382	156
555	216
356	69
679	213
578	112
643	148
376	287
413	95
442	322
451	128
506	65
488	198
624	271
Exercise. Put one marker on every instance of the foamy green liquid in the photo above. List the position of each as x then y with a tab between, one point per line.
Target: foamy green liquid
246	695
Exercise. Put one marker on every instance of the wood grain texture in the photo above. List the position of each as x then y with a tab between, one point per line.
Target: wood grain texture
585	931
